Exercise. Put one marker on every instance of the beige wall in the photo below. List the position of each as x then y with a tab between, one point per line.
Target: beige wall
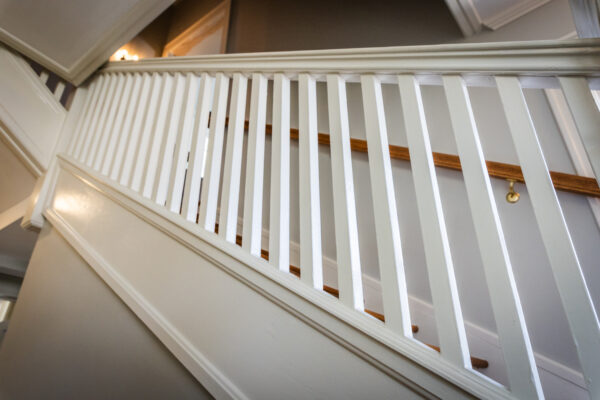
16	181
70	337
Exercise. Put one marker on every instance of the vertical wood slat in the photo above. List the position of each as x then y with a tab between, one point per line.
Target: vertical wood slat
94	118
193	177
165	164
210	186
99	131
510	321
151	162
79	133
230	192
586	116
146	134
117	125
387	230
311	260
253	199
346	228
44	76
136	126
567	272
125	129
279	221
444	291
110	119
182	147
59	90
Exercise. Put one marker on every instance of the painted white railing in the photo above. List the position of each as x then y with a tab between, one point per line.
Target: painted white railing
158	127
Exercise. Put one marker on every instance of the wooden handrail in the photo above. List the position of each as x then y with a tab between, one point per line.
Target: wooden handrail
564	182
475	361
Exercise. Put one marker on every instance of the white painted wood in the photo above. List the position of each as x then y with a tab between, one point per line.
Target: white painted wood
536	58
146	137
125	130
506	305
84	130
59	90
346	229
182	147
136	128
311	263
442	280
95	118
151	166
174	121
117	124
387	230
232	167
210	185
568	275
86	111
106	133
99	28
100	131
44	75
255	163
279	235
193	179
586	116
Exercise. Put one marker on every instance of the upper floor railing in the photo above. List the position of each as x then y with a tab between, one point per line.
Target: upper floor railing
158	127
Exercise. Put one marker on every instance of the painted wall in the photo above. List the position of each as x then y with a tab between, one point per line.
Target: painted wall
16	181
70	337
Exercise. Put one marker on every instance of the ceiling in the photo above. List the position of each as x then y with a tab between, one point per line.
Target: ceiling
475	15
74	37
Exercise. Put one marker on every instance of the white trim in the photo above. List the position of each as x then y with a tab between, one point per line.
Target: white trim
466	16
536	58
217	18
124	29
570	135
17	211
28	161
360	333
512	13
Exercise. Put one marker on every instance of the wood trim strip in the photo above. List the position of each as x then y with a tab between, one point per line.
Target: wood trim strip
565	182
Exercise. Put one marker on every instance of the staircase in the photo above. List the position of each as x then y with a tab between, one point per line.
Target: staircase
167	170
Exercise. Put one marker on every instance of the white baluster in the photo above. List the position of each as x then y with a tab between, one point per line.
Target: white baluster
444	292
568	276
279	228
118	124
253	199
210	186
94	118
136	128
146	134
389	250
125	130
100	131
311	261
586	116
59	90
110	119
92	90
346	229
44	76
196	162
230	191
182	147
160	127
508	313
168	147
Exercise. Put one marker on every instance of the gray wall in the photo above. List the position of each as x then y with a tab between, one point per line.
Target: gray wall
70	337
277	25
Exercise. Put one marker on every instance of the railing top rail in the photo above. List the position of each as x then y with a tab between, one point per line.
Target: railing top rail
537	58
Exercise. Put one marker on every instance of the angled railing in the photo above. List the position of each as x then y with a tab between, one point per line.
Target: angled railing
158	127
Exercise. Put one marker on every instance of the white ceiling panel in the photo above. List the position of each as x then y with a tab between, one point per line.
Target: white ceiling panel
74	37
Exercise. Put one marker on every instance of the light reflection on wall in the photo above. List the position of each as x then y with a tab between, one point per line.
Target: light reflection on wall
69	204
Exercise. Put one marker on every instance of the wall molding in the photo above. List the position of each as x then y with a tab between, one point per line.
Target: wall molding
512	13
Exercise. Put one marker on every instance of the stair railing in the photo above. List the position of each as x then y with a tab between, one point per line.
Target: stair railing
158	127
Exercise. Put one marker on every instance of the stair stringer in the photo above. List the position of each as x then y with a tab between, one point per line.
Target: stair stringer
242	328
